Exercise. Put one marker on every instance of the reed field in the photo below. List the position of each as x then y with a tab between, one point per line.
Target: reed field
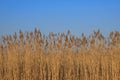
60	56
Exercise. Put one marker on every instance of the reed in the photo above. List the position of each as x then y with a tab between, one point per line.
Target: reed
33	56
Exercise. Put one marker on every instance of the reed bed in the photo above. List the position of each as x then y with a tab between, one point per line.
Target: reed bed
34	56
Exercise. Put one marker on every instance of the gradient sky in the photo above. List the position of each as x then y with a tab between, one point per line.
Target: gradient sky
59	16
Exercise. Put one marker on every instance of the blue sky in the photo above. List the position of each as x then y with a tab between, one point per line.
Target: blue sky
59	16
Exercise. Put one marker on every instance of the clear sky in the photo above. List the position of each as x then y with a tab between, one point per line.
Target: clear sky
59	16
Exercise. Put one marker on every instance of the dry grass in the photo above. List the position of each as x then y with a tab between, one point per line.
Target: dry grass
33	56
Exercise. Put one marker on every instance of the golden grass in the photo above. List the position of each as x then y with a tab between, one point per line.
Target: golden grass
33	56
